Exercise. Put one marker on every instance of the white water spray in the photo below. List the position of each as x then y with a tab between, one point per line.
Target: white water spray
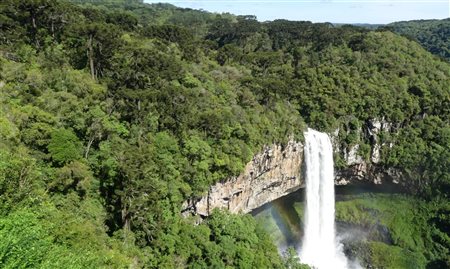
320	248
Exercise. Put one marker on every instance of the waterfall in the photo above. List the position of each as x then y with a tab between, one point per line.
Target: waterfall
319	248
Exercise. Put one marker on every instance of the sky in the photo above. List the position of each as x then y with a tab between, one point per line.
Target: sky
335	11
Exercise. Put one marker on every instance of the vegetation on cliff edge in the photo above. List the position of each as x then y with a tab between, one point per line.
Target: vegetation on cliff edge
112	113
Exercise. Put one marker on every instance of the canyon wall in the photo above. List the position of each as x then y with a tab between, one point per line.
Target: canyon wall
360	169
277	171
273	173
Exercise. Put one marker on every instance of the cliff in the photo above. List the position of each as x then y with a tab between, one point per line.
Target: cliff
271	174
277	171
360	169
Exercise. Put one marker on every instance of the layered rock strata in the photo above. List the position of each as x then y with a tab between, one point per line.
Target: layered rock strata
271	174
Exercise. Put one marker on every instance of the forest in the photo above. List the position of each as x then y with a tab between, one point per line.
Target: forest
112	113
431	34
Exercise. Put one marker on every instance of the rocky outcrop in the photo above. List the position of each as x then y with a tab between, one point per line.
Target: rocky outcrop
273	173
358	169
374	128
367	173
277	171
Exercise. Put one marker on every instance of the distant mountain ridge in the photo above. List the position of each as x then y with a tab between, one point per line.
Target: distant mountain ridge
433	35
363	25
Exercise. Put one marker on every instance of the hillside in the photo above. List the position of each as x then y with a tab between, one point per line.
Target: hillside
433	35
112	116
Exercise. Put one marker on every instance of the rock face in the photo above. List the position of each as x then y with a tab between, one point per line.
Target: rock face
277	171
367	173
373	132
273	173
358	169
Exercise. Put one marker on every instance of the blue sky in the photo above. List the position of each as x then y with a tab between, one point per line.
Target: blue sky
337	11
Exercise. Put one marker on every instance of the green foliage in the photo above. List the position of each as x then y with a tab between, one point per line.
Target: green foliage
18	178
423	150
385	256
234	235
112	113
292	261
64	146
48	238
418	238
431	34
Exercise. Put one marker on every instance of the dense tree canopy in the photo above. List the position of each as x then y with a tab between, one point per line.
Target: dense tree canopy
433	35
113	113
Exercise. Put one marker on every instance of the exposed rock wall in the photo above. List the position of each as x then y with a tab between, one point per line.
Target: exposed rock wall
367	173
358	169
273	173
277	171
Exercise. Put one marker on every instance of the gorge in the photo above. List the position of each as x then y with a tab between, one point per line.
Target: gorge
306	170
137	135
279	169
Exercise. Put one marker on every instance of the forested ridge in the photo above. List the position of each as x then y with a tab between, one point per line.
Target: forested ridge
433	35
115	112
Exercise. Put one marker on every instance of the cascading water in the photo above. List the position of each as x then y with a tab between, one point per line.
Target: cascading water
319	248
